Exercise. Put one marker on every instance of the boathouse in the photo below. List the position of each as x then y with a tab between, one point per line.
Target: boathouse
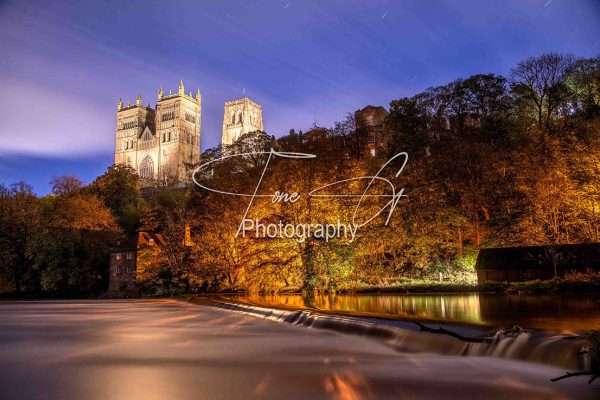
517	264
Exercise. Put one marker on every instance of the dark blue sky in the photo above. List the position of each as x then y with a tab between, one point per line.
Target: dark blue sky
64	64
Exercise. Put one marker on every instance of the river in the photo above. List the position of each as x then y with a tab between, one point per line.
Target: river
167	349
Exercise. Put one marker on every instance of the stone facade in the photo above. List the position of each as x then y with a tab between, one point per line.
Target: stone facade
124	258
240	117
371	119
160	143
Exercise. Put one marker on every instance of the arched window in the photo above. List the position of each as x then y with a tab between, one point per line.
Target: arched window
239	117
147	135
147	168
233	117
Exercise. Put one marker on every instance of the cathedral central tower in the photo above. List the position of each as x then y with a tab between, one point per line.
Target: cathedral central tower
240	117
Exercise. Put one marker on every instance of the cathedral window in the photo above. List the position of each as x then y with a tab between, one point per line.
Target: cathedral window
239	117
147	167
233	118
168	115
147	135
129	124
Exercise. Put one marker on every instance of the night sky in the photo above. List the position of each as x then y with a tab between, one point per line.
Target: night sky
64	64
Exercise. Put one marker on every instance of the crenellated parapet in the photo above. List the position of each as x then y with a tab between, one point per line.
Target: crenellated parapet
240	116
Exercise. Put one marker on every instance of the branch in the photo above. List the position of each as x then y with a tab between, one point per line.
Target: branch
443	331
578	373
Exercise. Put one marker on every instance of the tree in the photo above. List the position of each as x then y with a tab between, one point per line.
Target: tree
65	185
20	220
584	82
120	192
539	84
408	123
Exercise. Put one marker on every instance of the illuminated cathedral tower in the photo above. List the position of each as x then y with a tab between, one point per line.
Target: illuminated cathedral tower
240	117
160	143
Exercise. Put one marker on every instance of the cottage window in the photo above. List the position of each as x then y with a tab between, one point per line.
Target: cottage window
130	255
118	256
118	270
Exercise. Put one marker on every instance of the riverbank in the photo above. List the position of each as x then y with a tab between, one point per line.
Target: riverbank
565	313
157	349
575	283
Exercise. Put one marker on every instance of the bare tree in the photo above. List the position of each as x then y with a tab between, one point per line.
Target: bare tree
540	83
67	184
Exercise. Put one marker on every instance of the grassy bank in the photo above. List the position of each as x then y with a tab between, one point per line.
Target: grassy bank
575	283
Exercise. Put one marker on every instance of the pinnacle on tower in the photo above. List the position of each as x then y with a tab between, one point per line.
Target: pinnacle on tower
138	100
181	88
120	104
160	93
198	95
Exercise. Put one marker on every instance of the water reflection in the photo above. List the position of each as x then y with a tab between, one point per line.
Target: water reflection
556	312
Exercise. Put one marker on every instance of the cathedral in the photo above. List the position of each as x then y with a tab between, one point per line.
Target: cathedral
162	143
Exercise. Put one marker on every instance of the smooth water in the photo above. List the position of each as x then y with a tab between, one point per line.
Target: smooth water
552	312
166	349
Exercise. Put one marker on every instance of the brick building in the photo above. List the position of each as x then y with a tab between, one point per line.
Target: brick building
371	120
123	262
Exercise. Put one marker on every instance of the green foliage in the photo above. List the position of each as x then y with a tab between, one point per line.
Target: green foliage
120	191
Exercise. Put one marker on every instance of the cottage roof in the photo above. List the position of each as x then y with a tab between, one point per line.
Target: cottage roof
138	240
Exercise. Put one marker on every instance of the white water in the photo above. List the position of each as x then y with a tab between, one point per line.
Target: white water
405	336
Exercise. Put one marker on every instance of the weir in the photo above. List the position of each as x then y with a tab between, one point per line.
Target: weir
406	336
